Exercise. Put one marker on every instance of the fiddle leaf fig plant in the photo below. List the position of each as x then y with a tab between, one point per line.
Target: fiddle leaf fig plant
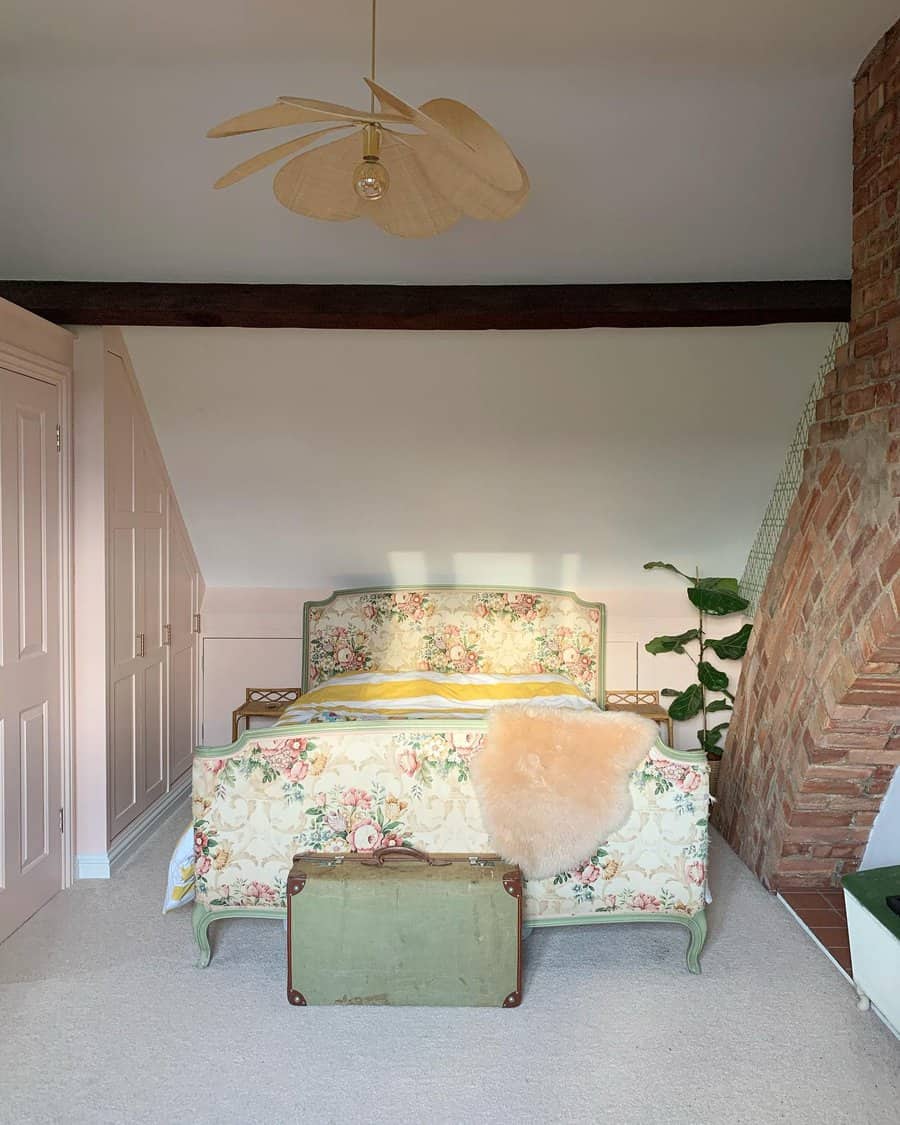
716	597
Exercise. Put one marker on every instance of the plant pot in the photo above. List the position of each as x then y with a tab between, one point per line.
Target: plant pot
714	763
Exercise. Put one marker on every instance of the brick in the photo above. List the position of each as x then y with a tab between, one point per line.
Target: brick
857	401
822	819
871	343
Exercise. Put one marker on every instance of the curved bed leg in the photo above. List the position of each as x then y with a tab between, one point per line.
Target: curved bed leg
697	925
200	919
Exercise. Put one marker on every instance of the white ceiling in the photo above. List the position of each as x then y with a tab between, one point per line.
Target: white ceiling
316	460
699	140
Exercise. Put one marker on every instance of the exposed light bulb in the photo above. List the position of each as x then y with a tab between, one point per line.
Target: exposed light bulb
370	178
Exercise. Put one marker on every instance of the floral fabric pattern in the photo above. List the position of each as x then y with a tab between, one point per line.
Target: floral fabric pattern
353	787
455	630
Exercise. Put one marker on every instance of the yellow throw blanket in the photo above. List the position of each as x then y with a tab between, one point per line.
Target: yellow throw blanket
552	783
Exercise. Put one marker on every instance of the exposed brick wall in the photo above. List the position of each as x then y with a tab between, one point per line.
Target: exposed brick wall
815	735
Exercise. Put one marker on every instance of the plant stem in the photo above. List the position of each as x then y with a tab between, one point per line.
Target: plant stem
702	688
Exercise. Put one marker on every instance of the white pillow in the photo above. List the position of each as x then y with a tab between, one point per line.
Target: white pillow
180	881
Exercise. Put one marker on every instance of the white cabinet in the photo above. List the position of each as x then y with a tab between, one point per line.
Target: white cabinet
152	595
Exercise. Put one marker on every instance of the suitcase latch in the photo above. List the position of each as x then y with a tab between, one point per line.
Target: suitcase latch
480	861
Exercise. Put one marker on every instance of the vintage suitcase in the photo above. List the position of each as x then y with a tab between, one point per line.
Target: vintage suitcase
403	927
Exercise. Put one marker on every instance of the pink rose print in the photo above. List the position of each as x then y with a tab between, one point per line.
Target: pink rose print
366	836
356	798
202	865
690	781
642	901
259	894
609	901
696	872
590	873
217	765
295	745
343	656
594	615
536	666
391	840
408	762
481	610
200	839
456	653
368	610
298	770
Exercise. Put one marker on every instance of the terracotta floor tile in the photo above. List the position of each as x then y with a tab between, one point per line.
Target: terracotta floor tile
835	900
832	936
800	900
816	919
843	959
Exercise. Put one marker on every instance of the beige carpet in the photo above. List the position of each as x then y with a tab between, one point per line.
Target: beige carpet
103	1018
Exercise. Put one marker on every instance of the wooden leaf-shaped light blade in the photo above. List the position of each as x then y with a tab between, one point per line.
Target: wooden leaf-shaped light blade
273	155
329	111
268	117
320	183
497	163
411	207
474	195
471	128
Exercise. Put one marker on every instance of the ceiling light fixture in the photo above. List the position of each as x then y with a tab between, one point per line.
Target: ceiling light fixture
420	169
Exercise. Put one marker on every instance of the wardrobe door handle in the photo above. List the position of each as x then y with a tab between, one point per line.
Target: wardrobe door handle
140	644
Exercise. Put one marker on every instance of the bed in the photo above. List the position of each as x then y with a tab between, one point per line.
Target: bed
339	774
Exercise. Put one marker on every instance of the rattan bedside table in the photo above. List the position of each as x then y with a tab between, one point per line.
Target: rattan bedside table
642	703
262	703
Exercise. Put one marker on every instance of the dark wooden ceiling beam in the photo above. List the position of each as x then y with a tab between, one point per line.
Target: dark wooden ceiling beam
685	305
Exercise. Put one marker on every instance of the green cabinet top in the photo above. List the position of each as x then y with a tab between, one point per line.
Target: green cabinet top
870	888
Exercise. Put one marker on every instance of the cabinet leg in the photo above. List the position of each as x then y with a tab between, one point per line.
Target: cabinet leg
862	1002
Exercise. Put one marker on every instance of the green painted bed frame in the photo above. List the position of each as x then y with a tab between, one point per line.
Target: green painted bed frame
696	924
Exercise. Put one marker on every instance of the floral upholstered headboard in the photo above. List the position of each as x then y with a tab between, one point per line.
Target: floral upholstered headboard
455	629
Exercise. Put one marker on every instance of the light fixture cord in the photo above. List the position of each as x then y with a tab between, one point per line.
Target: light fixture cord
372	75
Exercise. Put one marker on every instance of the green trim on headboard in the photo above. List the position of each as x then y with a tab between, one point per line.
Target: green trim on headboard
358	590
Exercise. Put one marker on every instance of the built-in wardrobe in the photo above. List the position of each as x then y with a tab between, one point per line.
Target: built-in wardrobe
153	590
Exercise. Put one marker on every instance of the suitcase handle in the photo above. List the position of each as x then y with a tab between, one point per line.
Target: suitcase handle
381	854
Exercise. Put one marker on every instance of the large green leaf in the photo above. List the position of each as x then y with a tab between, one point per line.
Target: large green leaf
671	644
715	601
709	740
667	566
729	584
718	705
687	704
733	646
711	677
670	691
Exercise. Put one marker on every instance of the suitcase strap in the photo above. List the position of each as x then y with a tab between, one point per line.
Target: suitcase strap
403	852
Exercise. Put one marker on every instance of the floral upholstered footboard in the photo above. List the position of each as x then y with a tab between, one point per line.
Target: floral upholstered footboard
352	787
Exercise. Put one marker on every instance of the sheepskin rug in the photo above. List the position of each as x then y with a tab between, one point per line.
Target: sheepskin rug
552	783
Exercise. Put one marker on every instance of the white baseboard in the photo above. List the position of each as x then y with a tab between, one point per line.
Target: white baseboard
92	866
100	866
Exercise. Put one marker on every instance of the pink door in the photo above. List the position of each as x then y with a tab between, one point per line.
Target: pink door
30	613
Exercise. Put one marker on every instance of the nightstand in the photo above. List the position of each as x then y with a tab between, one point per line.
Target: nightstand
642	703
262	703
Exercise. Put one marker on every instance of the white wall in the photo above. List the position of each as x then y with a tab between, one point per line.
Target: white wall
883	848
309	460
